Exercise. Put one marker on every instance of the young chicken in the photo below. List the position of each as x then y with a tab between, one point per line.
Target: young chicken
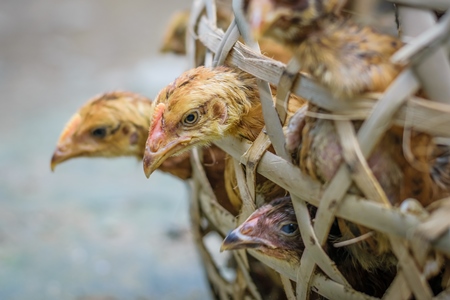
175	34
273	230
175	37
347	58
116	124
111	125
204	105
174	40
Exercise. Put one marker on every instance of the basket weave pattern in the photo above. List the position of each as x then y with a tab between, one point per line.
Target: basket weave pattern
411	235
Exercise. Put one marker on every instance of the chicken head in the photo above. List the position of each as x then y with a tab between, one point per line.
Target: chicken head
110	125
271	229
201	106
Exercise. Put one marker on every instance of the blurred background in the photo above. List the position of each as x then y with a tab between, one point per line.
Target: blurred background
95	229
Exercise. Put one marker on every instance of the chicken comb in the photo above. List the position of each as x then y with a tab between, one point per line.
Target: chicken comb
70	127
157	114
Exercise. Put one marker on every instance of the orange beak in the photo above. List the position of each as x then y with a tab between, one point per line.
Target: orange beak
58	157
159	146
64	148
156	153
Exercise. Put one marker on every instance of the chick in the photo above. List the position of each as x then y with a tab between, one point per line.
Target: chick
175	37
273	230
347	58
111	125
204	105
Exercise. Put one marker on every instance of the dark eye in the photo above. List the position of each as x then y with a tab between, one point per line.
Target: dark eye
99	132
191	118
289	229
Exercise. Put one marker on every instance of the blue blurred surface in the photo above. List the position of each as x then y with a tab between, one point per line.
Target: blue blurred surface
96	228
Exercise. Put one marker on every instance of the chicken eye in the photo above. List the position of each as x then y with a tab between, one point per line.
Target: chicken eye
191	118
99	132
289	229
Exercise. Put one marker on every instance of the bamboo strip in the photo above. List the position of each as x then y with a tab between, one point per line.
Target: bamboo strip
248	198
284	87
427	41
243	265
313	254
251	159
209	264
211	11
238	6
368	136
433	70
273	125
426	116
287	285
398	289
201	173
429	4
358	166
444	295
196	10
379	121
213	275
416	281
220	217
226	44
321	284
437	223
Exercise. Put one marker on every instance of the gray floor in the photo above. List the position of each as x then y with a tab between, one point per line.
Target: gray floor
94	229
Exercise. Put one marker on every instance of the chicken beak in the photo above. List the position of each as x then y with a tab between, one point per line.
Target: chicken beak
64	149
57	158
235	240
156	152
62	154
153	159
241	238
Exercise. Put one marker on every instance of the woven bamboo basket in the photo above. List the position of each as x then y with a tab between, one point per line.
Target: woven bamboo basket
426	47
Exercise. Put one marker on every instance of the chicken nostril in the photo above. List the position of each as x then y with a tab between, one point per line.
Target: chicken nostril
60	151
246	229
154	145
